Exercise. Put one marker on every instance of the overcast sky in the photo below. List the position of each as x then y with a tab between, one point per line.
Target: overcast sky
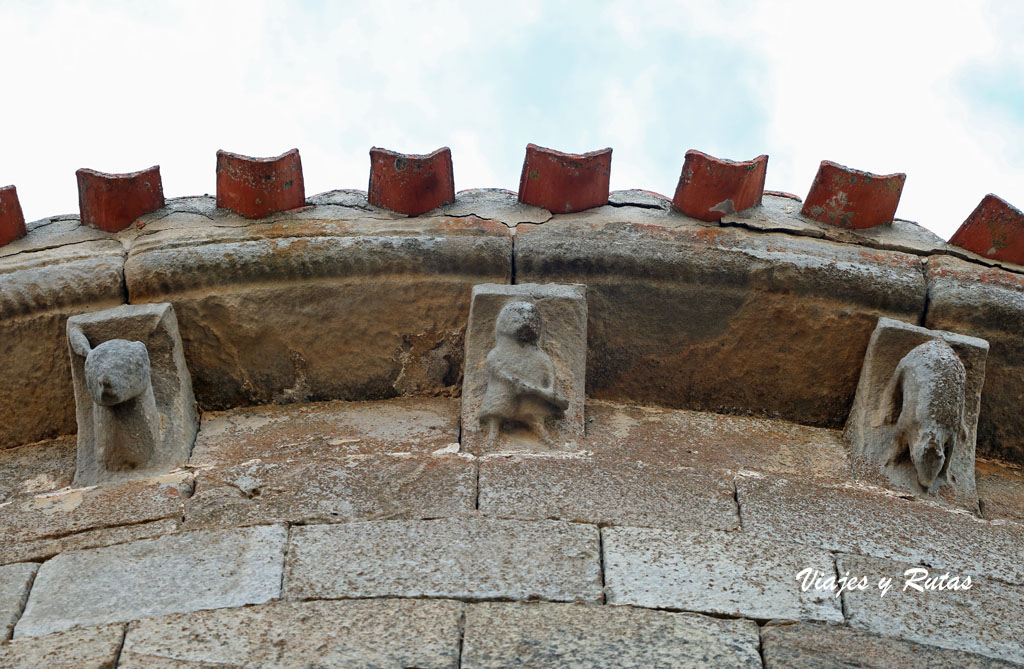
932	89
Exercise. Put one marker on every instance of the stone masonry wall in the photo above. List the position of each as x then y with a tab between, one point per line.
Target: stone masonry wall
333	512
358	534
766	312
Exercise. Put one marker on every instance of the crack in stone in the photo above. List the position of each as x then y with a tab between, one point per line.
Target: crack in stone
120	647
638	205
842	595
868	243
760	644
927	293
87	531
51	247
24	600
462	636
736	499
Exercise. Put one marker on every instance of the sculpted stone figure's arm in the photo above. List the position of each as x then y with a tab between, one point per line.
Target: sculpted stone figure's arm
79	342
524	387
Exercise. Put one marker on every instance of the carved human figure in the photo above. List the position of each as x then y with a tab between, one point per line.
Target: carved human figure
925	398
520	376
126	423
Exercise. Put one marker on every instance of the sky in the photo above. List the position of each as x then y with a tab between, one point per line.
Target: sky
933	89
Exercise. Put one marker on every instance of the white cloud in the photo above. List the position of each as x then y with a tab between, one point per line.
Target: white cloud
877	86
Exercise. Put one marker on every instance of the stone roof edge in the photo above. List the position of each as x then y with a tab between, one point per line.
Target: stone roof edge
710	189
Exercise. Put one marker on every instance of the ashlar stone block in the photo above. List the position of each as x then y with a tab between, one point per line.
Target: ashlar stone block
177	573
787	645
15	581
915	414
82	648
605	493
354	633
461	558
923	606
722	573
541	634
526	353
133	393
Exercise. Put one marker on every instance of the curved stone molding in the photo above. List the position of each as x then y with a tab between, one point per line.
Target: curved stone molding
411	184
300	251
112	202
136	412
995	229
849	198
258	187
12	221
564	183
526	357
915	415
710	187
38	291
723	319
315	310
82	274
340	300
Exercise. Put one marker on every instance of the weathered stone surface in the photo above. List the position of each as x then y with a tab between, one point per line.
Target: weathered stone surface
494	204
637	207
1001	490
572	635
728	573
70	510
914	421
979	620
87	648
36	468
394	295
816	646
398	425
605	493
48	233
38	291
463	558
678	437
42	549
644	199
732	320
526	348
15	580
778	213
173	574
988	303
346	203
327	490
187	213
364	633
136	411
881	523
